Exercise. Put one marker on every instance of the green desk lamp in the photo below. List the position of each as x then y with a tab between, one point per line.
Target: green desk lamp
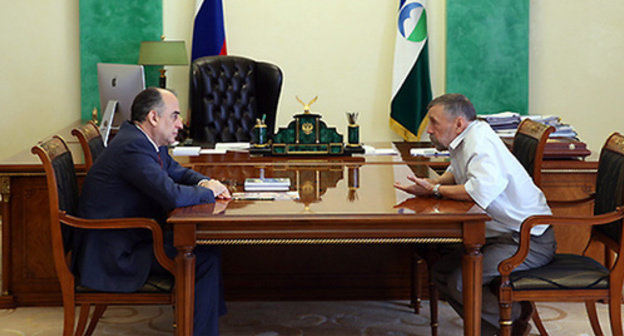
162	53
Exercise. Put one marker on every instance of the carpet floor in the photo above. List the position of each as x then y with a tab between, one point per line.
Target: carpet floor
293	318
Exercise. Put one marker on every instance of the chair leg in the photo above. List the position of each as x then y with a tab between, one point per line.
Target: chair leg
69	316
615	309
538	321
505	319
97	313
82	320
433	306
590	306
416	270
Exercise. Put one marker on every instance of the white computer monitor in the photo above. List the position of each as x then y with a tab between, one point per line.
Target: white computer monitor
121	83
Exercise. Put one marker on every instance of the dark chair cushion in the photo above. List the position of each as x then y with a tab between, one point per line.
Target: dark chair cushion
67	186
565	271
524	148
96	146
609	193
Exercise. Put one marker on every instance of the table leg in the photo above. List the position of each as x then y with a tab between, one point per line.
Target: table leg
472	267
184	242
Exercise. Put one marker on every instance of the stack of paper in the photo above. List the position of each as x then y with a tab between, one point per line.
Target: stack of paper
502	121
427	152
267	184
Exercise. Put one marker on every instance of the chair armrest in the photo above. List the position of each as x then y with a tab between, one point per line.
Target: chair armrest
575	202
506	266
125	223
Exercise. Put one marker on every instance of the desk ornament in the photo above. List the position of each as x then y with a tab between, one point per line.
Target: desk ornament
353	131
307	135
260	133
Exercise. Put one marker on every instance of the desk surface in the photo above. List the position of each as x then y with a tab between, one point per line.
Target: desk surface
330	192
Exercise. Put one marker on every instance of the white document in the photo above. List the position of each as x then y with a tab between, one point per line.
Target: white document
212	151
266	196
370	150
231	145
427	152
186	150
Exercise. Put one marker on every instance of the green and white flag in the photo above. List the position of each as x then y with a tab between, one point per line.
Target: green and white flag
411	85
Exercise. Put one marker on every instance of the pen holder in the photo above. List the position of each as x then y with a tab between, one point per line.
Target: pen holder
353	134
260	135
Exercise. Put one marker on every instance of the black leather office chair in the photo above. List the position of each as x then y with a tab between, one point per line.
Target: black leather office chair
63	205
228	94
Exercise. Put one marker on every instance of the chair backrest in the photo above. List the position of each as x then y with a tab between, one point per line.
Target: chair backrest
228	94
63	196
528	147
610	183
90	140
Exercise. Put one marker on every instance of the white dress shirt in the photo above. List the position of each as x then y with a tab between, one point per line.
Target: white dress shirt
495	180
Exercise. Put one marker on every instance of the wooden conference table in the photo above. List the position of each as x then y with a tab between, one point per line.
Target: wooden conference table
340	202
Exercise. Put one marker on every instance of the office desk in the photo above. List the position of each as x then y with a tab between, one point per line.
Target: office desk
340	203
253	272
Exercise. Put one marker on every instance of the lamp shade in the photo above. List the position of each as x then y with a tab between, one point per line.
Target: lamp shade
162	53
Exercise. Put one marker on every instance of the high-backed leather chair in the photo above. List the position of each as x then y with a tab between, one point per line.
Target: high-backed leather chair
90	140
528	147
228	94
63	204
571	277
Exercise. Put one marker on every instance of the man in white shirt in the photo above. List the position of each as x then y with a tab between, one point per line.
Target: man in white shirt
482	170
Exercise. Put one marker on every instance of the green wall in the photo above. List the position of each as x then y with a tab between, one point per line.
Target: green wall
488	53
111	31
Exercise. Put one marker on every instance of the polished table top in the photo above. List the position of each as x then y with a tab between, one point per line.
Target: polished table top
357	193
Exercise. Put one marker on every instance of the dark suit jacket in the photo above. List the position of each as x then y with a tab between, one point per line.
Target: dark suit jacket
129	179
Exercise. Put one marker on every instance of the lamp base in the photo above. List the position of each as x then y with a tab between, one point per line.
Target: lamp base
162	80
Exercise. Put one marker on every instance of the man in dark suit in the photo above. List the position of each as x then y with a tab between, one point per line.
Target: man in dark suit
136	177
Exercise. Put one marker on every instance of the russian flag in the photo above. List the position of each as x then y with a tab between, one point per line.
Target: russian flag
208	30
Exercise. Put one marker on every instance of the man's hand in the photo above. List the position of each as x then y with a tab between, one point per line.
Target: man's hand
218	189
421	186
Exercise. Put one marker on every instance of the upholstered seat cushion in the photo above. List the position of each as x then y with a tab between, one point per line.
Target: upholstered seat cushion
565	271
154	284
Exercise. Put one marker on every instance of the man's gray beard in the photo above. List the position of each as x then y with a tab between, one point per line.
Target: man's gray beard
436	143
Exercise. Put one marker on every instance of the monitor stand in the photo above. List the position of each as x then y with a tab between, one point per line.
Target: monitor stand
107	120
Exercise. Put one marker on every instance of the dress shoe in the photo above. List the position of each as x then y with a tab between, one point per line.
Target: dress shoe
521	326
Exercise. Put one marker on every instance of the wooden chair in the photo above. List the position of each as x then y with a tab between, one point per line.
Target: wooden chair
63	202
572	277
90	140
528	148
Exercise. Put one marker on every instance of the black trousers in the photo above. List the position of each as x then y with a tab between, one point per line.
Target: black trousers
209	300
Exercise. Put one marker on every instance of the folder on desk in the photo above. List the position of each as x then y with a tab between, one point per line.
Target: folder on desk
267	184
561	148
